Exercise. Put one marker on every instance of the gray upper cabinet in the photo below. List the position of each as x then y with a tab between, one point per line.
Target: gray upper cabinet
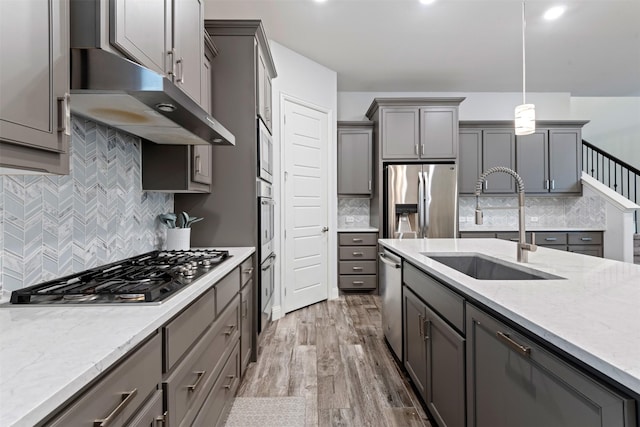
439	132
512	381
470	160
188	44
400	133
498	149
176	168
532	162
355	158
565	160
139	29
263	88
416	128
34	83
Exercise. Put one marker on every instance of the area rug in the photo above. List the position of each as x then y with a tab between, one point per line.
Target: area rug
267	412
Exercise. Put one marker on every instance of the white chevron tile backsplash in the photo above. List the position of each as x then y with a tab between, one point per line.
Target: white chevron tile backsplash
51	226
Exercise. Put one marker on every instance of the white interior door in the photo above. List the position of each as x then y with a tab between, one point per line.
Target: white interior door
306	218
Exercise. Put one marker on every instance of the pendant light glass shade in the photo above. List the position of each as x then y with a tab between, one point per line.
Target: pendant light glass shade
525	122
525	119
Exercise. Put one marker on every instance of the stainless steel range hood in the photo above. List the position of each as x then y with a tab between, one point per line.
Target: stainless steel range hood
110	89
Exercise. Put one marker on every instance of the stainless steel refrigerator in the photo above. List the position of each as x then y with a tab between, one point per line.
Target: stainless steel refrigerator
421	200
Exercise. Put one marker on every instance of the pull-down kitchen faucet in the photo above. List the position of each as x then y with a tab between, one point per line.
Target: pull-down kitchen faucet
523	247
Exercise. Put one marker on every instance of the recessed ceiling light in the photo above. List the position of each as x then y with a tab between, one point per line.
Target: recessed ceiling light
554	13
427	1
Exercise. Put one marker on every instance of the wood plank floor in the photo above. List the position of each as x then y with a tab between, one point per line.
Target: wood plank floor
333	353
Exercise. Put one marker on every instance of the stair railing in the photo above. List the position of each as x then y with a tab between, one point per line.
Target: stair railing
618	175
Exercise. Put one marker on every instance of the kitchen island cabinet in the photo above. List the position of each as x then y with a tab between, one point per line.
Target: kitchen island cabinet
525	342
67	355
35	121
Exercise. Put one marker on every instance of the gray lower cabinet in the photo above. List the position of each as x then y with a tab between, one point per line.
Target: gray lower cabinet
35	123
511	381
357	263
119	395
151	414
415	349
582	242
355	158
246	323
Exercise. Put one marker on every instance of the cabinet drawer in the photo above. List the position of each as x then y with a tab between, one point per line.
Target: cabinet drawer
246	270
477	235
226	289
585	238
443	300
150	412
514	236
545	239
593	250
357	267
358	239
187	387
358	252
183	331
122	391
219	401
357	282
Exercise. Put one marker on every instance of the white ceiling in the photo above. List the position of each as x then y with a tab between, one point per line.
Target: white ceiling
457	45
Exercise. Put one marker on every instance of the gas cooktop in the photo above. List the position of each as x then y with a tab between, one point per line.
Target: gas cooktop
150	277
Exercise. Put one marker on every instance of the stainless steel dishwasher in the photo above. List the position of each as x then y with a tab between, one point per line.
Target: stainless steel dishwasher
391	292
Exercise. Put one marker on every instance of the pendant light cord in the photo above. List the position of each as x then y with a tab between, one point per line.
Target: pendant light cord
524	72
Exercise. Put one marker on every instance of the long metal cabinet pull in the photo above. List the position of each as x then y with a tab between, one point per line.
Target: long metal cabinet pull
181	78
426	328
64	114
126	399
519	348
421	326
230	383
195	385
423	151
416	150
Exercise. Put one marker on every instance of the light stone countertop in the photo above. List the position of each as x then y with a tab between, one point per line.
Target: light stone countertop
49	352
359	229
593	315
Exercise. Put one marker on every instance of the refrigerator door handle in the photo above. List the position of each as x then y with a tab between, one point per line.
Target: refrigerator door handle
420	204
426	197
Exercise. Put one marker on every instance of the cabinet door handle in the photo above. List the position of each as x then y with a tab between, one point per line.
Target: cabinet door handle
126	399
369	185
230	330
586	239
358	253
519	348
486	184
195	385
423	149
357	240
357	268
64	114
426	328
553	184
198	165
357	282
245	309
230	379
550	239
546	184
181	69
172	71
420	326
416	150
161	419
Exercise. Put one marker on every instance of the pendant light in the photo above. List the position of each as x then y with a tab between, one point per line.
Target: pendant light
525	113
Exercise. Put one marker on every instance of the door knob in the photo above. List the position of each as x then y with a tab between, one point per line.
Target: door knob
325	229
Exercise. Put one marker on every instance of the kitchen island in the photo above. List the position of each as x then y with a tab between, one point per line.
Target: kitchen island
49	353
589	316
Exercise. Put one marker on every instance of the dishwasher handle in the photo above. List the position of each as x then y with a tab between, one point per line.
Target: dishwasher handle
383	258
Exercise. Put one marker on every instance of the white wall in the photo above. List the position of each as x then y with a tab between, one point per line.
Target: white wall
313	83
476	106
614	126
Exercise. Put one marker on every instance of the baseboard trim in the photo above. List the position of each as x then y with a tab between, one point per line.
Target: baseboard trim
276	312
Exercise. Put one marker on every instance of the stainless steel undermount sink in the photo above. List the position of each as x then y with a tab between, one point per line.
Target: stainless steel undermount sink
483	267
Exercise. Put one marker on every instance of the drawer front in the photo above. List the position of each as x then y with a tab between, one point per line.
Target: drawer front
358	239
357	267
585	238
187	387
357	282
121	392
150	413
514	236
443	300
218	403
358	252
183	331
246	270
593	250
545	239
226	289
477	235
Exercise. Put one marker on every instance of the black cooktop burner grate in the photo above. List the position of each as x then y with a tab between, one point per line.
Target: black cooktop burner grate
150	277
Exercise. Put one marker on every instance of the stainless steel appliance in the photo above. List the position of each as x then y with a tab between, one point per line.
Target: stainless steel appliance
148	278
391	293
267	284
421	200
267	215
265	153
